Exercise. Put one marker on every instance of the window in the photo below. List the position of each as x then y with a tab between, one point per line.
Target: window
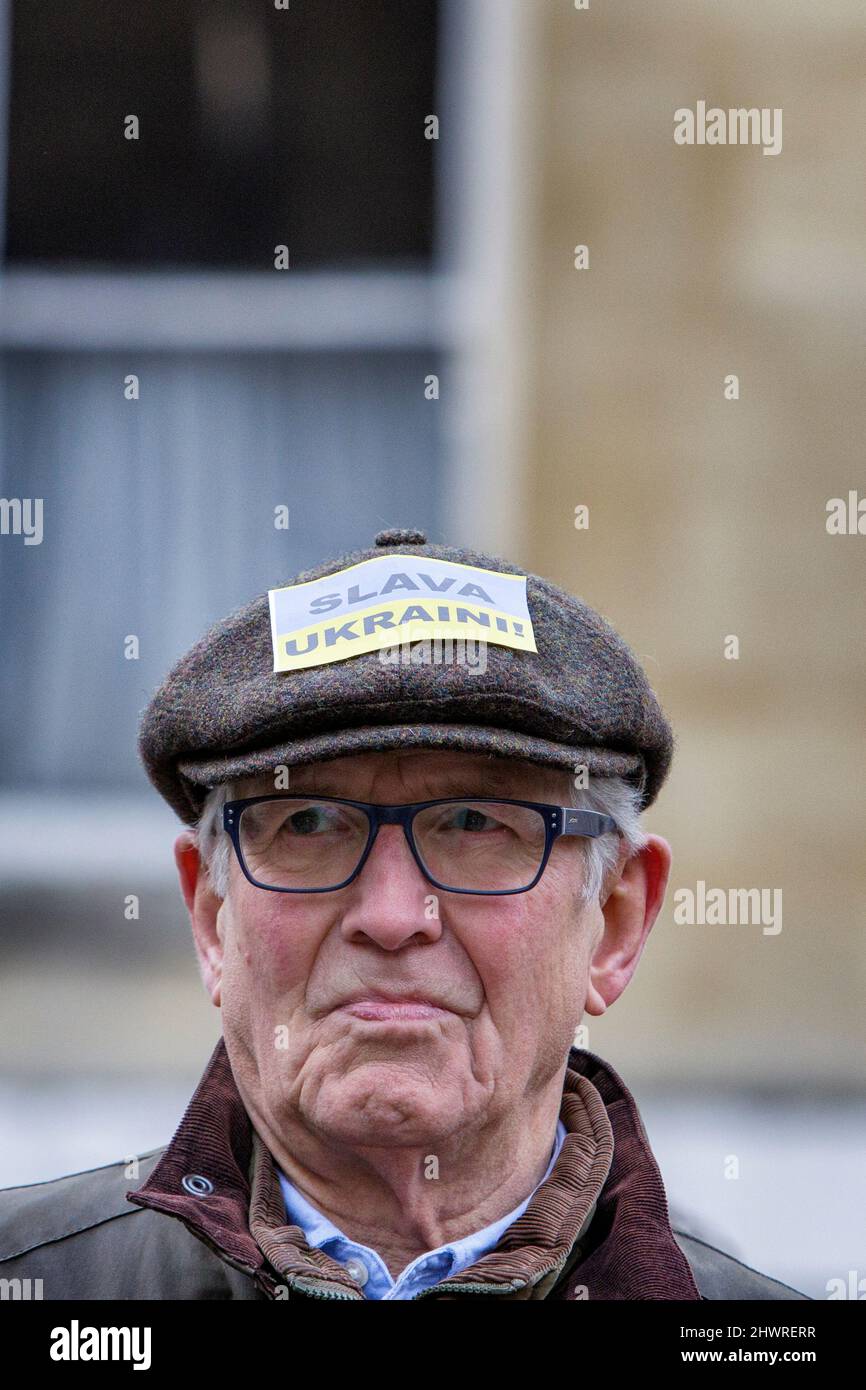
257	127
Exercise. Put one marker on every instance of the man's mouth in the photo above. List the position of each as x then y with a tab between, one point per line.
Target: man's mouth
378	1010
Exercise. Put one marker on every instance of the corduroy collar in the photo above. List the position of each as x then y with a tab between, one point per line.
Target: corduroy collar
597	1227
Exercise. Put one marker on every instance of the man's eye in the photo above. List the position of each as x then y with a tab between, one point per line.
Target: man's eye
302	822
309	820
467	818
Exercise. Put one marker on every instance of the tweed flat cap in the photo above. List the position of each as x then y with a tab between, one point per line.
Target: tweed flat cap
561	688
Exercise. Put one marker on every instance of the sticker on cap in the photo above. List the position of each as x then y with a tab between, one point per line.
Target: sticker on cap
395	599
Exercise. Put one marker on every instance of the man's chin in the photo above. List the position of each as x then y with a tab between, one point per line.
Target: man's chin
388	1104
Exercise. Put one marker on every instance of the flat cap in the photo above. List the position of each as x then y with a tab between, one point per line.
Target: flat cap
560	686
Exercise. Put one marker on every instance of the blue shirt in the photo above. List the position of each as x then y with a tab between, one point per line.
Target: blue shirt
422	1273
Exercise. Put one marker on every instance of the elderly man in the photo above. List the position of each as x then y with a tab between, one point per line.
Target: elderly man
407	883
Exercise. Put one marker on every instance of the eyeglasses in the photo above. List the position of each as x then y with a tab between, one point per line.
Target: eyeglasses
297	844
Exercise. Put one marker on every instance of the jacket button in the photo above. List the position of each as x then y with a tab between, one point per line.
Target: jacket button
357	1270
196	1185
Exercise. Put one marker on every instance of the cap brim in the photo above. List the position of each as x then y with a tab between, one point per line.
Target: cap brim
199	774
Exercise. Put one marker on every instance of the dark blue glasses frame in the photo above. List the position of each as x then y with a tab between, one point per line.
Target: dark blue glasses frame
558	820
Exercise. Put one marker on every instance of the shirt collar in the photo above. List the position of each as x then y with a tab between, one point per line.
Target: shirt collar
423	1272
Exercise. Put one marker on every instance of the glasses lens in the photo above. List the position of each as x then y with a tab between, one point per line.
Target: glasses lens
485	846
296	843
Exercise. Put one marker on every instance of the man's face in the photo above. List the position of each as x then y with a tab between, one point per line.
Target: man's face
505	976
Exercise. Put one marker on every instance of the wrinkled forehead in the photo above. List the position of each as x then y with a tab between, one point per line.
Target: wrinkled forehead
416	775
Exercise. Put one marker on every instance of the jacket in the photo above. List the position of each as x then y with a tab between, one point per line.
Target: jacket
206	1220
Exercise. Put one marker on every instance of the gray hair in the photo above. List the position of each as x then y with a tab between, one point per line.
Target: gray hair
612	796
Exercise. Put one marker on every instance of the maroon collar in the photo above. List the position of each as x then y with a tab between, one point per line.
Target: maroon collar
598	1227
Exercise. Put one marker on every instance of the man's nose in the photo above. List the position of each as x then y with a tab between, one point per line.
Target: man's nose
391	901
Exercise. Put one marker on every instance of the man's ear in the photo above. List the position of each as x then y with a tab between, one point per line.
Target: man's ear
629	911
203	907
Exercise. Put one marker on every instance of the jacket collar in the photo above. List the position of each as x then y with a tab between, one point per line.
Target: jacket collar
597	1227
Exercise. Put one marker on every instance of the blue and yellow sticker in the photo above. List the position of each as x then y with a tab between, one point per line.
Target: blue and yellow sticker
396	599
